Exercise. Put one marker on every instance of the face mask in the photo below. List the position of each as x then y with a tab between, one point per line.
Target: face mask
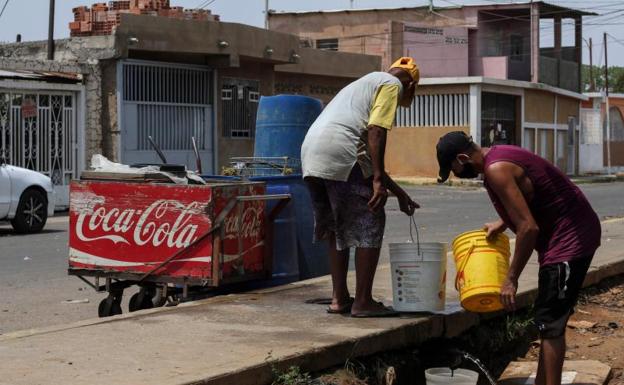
468	172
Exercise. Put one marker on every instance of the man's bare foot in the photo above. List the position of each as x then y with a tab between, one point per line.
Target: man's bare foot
340	306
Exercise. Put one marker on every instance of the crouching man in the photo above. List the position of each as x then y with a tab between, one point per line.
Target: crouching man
549	214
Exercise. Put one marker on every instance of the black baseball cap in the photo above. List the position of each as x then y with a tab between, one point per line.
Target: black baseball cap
448	147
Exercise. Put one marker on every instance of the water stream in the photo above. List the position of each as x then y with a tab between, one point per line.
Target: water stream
479	365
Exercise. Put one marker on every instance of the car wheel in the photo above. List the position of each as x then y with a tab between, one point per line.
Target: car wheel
32	212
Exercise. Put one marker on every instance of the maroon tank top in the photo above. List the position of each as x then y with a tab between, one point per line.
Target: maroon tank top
568	226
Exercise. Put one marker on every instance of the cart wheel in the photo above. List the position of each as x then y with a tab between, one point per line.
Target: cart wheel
110	306
157	299
141	300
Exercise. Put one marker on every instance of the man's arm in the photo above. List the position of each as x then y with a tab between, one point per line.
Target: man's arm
406	204
501	177
377	148
380	121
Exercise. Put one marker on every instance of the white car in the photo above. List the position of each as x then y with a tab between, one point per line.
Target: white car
26	198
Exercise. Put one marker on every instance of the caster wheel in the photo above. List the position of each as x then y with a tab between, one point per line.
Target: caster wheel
109	306
141	300
157	299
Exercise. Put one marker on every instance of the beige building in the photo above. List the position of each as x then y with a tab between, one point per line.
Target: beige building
165	78
483	70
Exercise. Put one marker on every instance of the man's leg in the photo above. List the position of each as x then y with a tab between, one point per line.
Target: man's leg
552	355
339	267
366	260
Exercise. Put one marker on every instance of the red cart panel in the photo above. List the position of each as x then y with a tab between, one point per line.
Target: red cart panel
130	227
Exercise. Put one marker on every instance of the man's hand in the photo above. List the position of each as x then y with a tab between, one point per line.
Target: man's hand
494	228
508	294
380	195
407	205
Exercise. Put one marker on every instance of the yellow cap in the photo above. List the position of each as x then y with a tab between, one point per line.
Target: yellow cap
408	64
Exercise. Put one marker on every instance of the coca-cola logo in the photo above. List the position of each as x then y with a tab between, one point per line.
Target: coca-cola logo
141	227
250	224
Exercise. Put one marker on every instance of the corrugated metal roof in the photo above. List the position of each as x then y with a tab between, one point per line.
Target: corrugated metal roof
47	76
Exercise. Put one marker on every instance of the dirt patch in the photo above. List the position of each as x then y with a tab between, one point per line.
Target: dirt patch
596	330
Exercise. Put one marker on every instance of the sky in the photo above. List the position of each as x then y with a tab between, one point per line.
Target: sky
30	17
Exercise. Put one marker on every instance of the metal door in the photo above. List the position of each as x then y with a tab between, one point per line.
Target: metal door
170	103
38	132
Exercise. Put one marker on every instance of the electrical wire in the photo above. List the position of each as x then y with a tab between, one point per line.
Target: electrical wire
4	7
206	4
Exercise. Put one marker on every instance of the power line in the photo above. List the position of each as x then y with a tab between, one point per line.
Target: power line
4	7
206	4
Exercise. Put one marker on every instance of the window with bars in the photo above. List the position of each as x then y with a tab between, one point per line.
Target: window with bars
239	105
327	44
435	110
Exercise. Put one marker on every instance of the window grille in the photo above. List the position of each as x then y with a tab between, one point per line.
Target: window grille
239	105
327	44
435	110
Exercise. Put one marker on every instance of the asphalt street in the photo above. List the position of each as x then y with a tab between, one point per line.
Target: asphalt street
37	292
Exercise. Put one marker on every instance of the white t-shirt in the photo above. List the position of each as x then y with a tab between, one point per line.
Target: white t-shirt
338	137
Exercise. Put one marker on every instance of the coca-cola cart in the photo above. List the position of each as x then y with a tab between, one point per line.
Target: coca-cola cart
167	238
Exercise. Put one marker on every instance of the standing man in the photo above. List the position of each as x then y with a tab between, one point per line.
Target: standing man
343	165
549	214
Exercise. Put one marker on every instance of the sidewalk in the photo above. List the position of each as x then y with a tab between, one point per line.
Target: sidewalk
228	339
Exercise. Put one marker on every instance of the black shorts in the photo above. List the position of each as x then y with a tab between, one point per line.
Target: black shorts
558	290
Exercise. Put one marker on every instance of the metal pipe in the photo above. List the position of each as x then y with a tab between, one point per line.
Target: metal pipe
51	32
607	107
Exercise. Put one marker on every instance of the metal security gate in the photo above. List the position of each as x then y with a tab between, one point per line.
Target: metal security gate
170	103
38	132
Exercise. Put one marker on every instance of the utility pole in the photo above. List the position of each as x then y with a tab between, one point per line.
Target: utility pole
266	14
592	82
51	32
430	6
608	117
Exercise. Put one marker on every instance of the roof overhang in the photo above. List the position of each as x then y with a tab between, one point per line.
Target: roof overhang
501	82
47	76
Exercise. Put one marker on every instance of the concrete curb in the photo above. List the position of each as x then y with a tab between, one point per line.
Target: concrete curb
449	325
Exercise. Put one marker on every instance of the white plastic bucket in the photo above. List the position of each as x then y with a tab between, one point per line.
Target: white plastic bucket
446	376
418	276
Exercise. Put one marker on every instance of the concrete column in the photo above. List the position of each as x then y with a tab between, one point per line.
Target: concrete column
535	42
395	48
578	46
475	112
557	42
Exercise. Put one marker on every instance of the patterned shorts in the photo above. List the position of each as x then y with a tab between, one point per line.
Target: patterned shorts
342	208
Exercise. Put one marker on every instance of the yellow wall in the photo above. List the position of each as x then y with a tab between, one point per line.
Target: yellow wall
566	107
539	106
410	151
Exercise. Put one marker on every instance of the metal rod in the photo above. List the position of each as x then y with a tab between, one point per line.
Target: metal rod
592	82
88	283
608	117
157	149
51	32
197	158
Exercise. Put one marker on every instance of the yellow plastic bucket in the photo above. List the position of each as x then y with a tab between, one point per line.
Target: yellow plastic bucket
482	267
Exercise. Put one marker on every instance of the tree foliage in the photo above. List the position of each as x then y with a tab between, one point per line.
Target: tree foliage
616	78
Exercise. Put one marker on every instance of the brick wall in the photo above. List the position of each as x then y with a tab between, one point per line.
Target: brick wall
102	19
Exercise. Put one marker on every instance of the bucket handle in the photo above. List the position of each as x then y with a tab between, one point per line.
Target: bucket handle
413	224
464	262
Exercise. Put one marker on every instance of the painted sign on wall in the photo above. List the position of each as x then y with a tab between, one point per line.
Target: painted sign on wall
439	51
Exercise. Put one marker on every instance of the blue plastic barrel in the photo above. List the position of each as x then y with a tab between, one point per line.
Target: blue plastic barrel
285	260
313	260
282	123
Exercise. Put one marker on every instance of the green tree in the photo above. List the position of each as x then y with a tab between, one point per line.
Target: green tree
616	78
